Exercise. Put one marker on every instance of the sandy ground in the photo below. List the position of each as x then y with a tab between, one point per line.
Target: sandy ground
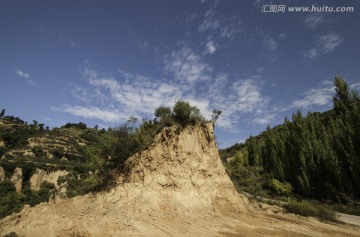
238	225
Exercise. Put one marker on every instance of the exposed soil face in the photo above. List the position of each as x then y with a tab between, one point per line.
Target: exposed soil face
176	187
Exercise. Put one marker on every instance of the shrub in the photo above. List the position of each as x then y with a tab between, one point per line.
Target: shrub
10	200
280	188
57	153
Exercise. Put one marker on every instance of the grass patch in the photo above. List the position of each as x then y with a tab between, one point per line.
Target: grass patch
307	208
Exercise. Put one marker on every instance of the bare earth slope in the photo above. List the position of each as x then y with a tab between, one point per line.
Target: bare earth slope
176	187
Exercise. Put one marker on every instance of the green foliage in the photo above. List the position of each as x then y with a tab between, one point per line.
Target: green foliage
16	135
79	184
79	125
2	113
108	155
9	167
280	188
164	114
249	179
215	115
318	155
38	152
14	119
57	153
10	200
184	113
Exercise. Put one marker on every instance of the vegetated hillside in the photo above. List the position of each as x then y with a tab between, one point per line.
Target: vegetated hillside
314	156
176	186
36	162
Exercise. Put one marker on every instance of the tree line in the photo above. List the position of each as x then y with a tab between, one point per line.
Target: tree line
317	154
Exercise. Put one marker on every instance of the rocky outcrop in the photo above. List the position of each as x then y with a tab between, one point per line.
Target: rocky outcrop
17	179
41	176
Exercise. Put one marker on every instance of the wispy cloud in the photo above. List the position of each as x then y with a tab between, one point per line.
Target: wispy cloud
329	42
93	112
355	86
25	75
325	43
270	44
249	96
210	47
220	26
187	66
319	96
22	73
314	20
243	97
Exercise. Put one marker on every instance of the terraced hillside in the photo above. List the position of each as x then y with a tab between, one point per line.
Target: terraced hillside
37	163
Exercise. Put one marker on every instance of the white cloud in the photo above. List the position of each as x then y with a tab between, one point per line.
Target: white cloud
137	95
114	97
187	66
355	86
325	43
93	113
320	96
243	97
263	119
210	47
25	75
22	74
249	95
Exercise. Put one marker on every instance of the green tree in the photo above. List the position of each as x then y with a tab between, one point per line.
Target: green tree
342	99
2	113
35	123
215	115
164	114
184	113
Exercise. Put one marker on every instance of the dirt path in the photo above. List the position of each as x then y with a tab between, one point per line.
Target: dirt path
239	225
349	219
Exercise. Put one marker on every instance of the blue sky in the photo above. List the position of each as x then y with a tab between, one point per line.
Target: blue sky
101	62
